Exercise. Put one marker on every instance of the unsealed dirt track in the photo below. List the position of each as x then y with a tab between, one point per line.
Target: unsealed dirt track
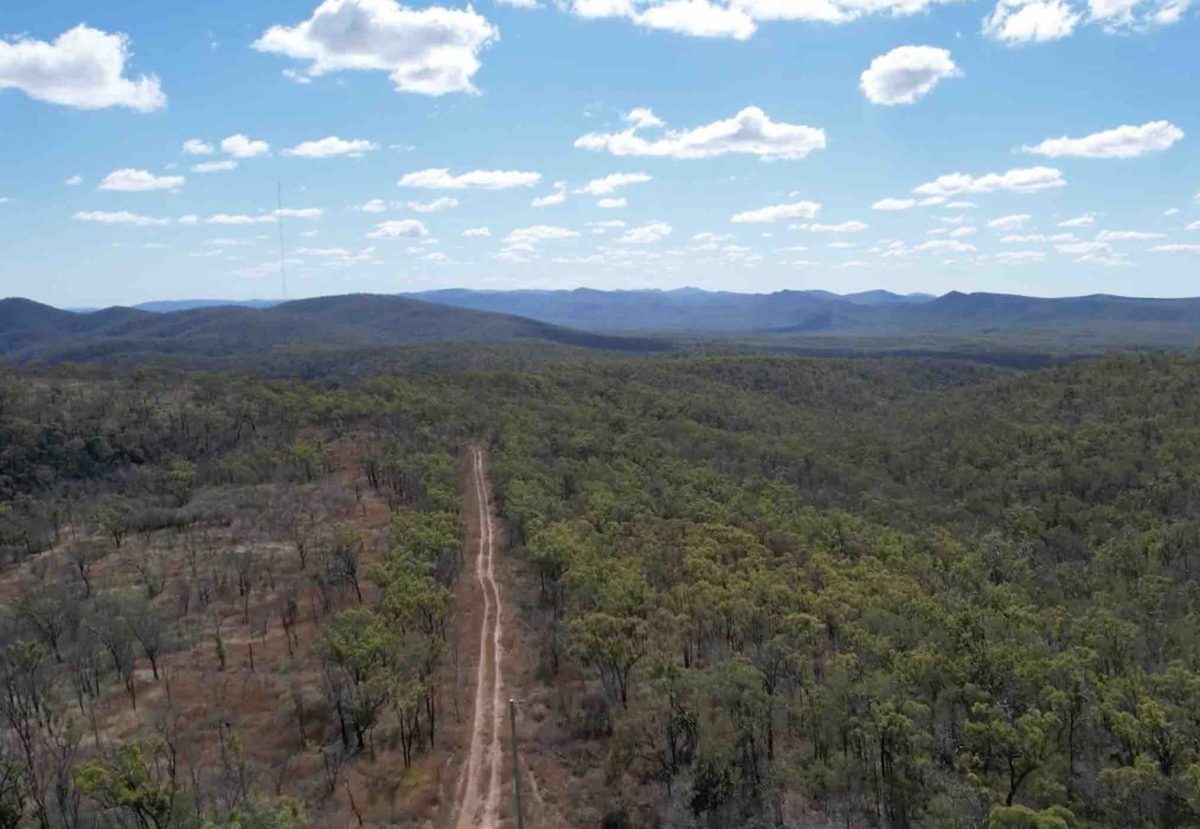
479	791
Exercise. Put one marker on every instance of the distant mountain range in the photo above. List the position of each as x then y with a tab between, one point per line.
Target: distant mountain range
32	331
611	320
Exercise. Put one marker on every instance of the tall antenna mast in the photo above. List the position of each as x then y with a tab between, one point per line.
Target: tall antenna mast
282	257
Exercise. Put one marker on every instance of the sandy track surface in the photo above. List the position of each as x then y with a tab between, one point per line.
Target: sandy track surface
479	790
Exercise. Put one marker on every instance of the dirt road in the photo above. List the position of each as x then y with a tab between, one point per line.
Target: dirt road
480	788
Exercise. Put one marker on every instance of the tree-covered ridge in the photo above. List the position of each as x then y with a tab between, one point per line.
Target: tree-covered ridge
907	602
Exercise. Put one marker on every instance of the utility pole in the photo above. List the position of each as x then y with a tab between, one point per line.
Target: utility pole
516	760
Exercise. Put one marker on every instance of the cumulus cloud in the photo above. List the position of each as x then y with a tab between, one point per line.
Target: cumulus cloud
1083	248
1126	15
1024	180
646	234
442	179
428	51
1122	142
945	246
698	18
1086	220
737	19
215	166
750	132
1030	21
399	229
796	212
526	237
1008	223
1127	236
83	68
906	73
1020	257
612	204
434	206
611	183
74	181
331	146
372	206
477	232
129	180
894	205
120	217
553	199
843	227
262	218
1176	248
240	146
194	146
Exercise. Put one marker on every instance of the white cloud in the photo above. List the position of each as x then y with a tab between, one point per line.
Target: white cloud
611	183
945	246
399	229
1007	223
1020	257
1037	237
1126	15
612	204
194	146
441	179
1122	142
1031	21
1193	226
74	181
1176	248
240	146
646	234
215	166
750	132
477	232
129	180
559	196
121	217
262	218
331	146
529	236
799	211
84	68
372	206
1083	248
894	205
297	213
844	227
906	73
1025	180
737	19
1127	236
1086	220
698	18
434	206
428	51
643	118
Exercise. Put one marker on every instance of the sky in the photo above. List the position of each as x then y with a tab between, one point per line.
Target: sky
1043	147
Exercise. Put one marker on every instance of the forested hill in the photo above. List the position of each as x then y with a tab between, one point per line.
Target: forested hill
1099	321
31	331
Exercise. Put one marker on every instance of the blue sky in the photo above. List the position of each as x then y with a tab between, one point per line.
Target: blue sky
747	145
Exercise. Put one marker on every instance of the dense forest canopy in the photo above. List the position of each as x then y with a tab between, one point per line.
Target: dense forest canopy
766	590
